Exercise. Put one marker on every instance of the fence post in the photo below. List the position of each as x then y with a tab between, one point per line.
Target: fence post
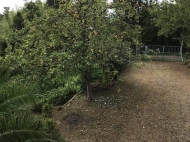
162	53
137	50
180	54
146	50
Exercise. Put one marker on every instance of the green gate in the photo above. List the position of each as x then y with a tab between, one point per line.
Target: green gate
162	50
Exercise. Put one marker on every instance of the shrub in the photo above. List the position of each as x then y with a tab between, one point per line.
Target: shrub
4	73
187	55
46	110
38	104
61	95
48	125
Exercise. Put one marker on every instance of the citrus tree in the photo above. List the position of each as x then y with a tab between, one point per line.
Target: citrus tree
77	38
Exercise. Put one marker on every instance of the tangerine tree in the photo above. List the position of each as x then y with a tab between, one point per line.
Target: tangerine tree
79	37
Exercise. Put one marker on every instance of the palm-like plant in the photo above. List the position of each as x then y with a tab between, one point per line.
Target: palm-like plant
17	123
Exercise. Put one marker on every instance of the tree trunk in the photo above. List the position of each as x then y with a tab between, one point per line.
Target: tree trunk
89	86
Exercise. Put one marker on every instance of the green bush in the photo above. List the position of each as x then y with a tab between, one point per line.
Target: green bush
187	55
109	78
4	73
61	95
38	104
48	125
46	109
16	85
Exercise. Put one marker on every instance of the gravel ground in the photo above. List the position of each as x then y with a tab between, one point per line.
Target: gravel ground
150	103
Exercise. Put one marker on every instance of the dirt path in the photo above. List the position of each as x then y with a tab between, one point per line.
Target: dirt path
151	104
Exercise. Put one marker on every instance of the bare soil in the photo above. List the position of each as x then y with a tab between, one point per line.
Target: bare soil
150	103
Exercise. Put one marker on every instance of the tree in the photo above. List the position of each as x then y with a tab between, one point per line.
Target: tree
30	10
6	12
53	3
173	20
6	29
78	38
18	21
146	21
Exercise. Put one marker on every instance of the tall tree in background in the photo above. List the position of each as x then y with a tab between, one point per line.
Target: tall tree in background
6	29
143	18
6	12
18	21
30	10
173	19
149	33
53	3
146	21
126	13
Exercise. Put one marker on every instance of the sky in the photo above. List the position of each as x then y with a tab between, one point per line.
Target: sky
16	4
13	4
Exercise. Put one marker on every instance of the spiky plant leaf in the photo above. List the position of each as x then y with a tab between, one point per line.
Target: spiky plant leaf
22	136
